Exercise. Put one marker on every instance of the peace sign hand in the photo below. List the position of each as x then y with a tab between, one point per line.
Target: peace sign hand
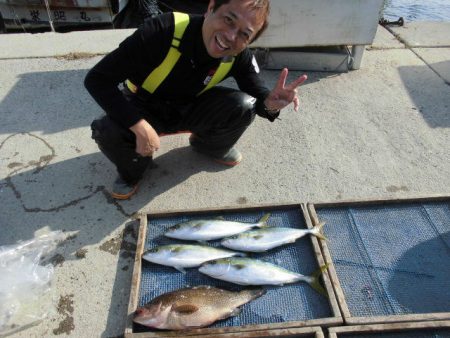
283	94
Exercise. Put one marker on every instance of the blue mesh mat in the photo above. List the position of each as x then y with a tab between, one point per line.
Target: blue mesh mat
391	259
294	302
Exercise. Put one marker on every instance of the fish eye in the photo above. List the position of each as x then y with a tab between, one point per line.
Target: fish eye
239	266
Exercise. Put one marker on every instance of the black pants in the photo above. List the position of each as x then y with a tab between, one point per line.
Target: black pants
217	118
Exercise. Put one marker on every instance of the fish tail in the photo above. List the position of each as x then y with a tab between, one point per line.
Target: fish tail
317	231
315	281
263	221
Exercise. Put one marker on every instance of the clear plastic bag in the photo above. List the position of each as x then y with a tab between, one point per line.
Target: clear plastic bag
25	284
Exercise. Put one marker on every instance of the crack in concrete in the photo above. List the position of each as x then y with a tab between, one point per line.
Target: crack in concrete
41	164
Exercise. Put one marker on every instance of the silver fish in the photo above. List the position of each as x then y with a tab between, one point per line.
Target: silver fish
181	256
194	307
264	239
247	271
207	230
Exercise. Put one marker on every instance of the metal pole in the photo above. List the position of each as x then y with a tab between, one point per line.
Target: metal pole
49	16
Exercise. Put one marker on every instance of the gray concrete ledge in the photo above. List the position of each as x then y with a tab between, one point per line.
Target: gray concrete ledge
384	39
26	45
424	34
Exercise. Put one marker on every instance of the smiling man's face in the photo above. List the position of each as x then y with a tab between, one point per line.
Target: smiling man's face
228	30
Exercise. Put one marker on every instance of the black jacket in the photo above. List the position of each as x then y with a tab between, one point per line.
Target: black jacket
145	49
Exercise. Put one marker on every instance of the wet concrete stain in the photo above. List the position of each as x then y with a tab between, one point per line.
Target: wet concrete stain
118	243
65	308
242	200
81	253
77	56
57	260
131	230
43	160
40	165
71	237
393	188
65	326
14	165
112	246
128	254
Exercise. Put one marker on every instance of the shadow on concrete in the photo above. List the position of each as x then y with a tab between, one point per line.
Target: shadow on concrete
71	196
425	288
430	96
50	102
442	69
271	77
41	187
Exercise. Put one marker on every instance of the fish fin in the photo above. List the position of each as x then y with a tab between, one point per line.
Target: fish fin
220	218
234	312
179	268
315	282
185	309
263	221
317	231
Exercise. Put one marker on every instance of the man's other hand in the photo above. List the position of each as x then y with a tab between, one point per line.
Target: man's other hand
147	140
283	94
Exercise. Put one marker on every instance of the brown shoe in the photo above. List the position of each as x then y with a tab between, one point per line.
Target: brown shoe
122	190
231	158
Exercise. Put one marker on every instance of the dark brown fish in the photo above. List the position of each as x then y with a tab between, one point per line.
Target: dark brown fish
193	307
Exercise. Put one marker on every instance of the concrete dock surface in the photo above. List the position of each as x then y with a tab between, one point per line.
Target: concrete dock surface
380	132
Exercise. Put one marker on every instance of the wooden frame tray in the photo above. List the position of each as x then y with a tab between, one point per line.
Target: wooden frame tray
410	328
349	317
288	328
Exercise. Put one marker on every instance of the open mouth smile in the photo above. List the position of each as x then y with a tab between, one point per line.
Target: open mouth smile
222	45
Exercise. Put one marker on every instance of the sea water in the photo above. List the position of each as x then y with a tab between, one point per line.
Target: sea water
416	10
